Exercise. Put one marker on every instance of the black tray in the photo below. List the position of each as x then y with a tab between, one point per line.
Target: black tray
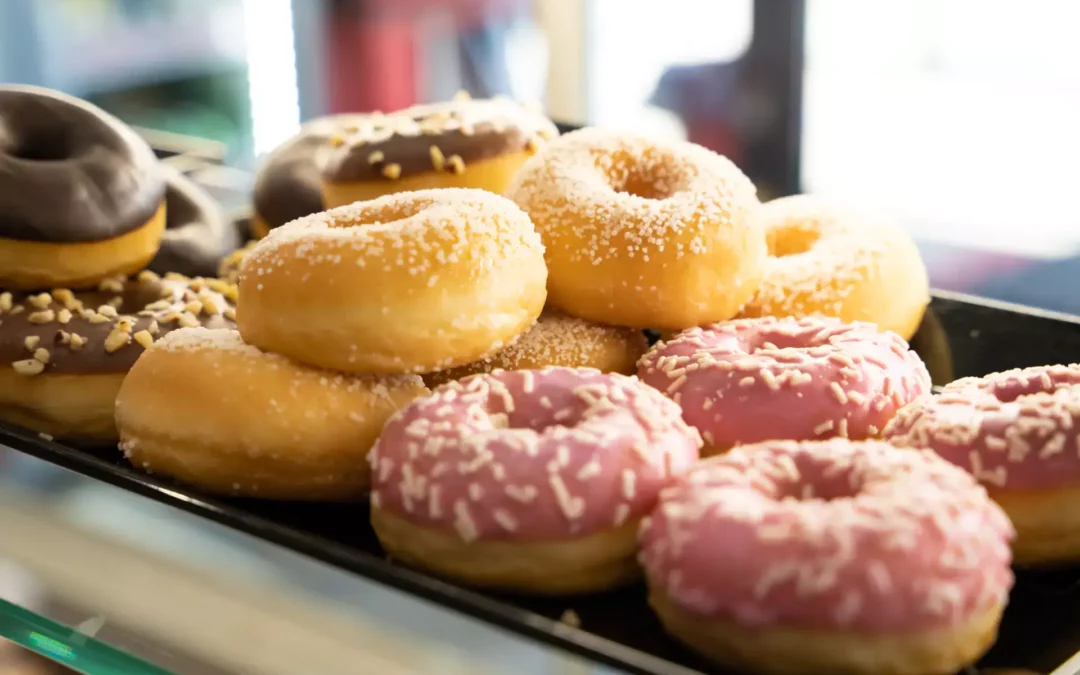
960	336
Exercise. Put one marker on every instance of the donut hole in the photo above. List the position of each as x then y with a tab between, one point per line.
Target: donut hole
791	241
817	483
1010	390
643	187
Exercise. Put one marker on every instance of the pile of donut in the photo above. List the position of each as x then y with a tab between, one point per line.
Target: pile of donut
444	313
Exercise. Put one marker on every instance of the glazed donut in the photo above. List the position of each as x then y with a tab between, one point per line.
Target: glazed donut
1016	432
83	195
416	282
464	144
287	184
827	262
840	557
203	407
828	379
529	480
560	340
197	235
66	353
640	233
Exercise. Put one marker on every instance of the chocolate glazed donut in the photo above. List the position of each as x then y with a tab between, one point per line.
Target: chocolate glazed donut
288	185
81	194
197	233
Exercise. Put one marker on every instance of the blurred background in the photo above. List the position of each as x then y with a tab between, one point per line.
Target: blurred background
957	117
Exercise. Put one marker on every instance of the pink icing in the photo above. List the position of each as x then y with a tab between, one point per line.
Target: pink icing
753	380
531	454
835	533
1016	430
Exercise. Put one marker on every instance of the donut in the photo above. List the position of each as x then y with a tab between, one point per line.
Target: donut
416	282
829	262
63	354
840	557
752	380
560	340
203	407
83	196
197	234
641	233
1017	432
528	480
459	144
287	183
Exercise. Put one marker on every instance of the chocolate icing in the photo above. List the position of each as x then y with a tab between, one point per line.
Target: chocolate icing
175	296
197	235
69	171
388	147
288	185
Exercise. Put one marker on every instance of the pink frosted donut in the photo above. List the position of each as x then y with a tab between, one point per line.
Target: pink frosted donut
753	380
1018	433
531	480
829	557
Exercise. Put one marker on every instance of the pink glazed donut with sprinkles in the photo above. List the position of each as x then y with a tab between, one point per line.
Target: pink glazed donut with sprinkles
1018	433
530	480
839	557
753	380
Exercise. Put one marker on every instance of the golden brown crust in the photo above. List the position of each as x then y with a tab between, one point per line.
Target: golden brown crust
205	408
793	651
75	408
592	563
1047	525
33	265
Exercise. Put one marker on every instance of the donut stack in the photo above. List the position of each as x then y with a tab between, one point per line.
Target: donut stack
82	213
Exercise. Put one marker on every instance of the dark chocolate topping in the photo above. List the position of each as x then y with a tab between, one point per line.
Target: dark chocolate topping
443	137
197	235
69	171
104	330
288	185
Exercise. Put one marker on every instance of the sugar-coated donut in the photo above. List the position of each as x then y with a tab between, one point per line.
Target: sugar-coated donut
560	340
753	380
1017	432
830	262
82	197
197	234
415	282
839	557
642	233
462	143
201	406
63	354
531	480
288	184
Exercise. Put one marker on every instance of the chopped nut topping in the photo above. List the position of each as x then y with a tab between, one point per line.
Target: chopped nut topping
116	340
336	141
173	276
437	158
197	284
144	338
158	305
188	320
125	323
113	285
456	164
210	305
392	171
63	337
171	317
5	301
153	328
64	315
107	310
146	276
28	367
44	316
195	307
41	354
77	341
230	313
63	295
93	317
115	302
40	301
18	309
31	342
376	157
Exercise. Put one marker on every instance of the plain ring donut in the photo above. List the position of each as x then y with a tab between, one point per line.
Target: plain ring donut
641	233
83	196
854	558
205	408
414	282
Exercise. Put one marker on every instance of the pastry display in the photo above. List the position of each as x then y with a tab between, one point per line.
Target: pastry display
83	196
828	378
642	233
825	261
288	184
69	350
1016	432
529	480
463	143
415	282
560	340
197	234
202	406
854	558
